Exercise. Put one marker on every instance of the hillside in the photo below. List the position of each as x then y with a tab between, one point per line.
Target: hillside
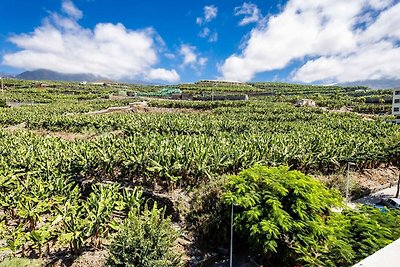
43	74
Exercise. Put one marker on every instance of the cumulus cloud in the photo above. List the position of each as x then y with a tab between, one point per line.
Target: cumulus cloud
109	50
250	11
191	57
338	40
163	75
375	61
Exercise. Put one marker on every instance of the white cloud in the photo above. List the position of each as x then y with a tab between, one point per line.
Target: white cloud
326	34
191	58
70	9
169	55
373	62
109	50
250	11
204	33
387	25
199	20
212	36
210	13
163	74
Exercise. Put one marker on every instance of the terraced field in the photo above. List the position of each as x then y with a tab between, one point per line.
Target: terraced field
70	176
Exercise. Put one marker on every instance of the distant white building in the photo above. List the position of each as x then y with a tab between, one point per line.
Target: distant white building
396	105
305	103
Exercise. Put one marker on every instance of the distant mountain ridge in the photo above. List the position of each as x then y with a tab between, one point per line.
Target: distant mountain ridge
375	84
7	75
43	74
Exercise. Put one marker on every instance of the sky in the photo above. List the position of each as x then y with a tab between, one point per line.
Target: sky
307	41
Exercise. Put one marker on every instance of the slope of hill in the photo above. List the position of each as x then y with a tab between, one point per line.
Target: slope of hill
375	84
44	74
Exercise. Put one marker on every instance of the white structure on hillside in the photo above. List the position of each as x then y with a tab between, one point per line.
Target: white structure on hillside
305	103
388	256
396	105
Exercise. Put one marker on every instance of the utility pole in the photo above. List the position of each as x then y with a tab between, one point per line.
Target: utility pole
348	180
231	245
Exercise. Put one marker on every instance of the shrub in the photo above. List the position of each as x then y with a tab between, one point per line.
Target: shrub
208	217
3	103
288	219
145	240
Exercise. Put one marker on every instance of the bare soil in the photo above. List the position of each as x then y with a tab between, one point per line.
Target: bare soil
87	259
363	179
69	136
127	109
368	117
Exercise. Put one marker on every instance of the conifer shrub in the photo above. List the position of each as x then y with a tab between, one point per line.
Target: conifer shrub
208	217
145	240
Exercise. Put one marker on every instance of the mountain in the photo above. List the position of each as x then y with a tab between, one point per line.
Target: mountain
44	74
375	84
7	75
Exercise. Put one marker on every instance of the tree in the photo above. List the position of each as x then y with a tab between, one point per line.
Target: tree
288	219
283	212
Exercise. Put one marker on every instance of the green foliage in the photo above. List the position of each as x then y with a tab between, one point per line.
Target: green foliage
280	209
145	240
43	208
367	229
19	262
208	217
3	103
288	219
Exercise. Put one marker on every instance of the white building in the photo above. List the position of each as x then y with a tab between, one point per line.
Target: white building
388	256
396	105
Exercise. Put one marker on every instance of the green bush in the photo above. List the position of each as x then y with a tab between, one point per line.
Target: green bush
208	217
366	230
288	219
3	103
20	262
145	240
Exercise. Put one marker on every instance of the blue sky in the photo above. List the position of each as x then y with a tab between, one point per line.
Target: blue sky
182	41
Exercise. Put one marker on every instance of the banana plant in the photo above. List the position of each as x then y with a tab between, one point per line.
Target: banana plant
99	208
40	238
74	229
15	238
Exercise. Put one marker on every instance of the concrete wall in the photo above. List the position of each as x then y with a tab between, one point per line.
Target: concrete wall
388	256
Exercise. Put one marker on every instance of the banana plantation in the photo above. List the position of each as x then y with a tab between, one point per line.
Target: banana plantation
65	196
